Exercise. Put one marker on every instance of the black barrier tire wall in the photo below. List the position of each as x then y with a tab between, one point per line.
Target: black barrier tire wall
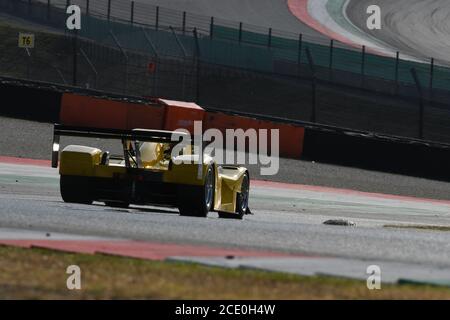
29	102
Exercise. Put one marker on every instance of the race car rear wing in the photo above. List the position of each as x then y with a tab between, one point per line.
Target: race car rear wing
114	134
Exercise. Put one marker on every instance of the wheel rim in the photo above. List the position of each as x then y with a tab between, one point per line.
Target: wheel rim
244	194
209	189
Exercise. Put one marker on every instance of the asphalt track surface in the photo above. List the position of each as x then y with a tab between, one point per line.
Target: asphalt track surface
418	28
264	13
288	218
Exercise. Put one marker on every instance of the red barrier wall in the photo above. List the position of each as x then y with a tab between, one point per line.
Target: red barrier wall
181	114
86	111
291	137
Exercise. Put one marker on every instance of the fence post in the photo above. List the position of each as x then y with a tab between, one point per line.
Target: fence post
397	64
431	78
179	43
330	66
109	9
132	12
314	84
91	65
211	28
150	42
184	22
269	42
48	10
75	57
152	46
299	57
87	7
28	62
421	104
126	59
183	50
157	18
240	32
197	58
363	65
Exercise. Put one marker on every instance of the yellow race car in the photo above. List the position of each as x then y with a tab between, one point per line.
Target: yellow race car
148	173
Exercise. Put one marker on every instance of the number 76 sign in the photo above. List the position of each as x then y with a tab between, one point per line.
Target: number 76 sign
26	40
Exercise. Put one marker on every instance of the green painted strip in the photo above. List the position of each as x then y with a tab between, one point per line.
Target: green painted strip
379	66
336	9
15	179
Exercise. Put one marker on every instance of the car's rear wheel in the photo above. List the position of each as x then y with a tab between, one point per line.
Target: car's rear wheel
75	190
117	204
241	201
197	201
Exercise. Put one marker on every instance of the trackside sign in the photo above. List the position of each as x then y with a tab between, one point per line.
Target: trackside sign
26	40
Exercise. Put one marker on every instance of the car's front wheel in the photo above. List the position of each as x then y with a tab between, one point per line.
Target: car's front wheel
197	201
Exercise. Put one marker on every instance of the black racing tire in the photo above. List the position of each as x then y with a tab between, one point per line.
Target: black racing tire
227	215
241	201
75	190
197	201
117	204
